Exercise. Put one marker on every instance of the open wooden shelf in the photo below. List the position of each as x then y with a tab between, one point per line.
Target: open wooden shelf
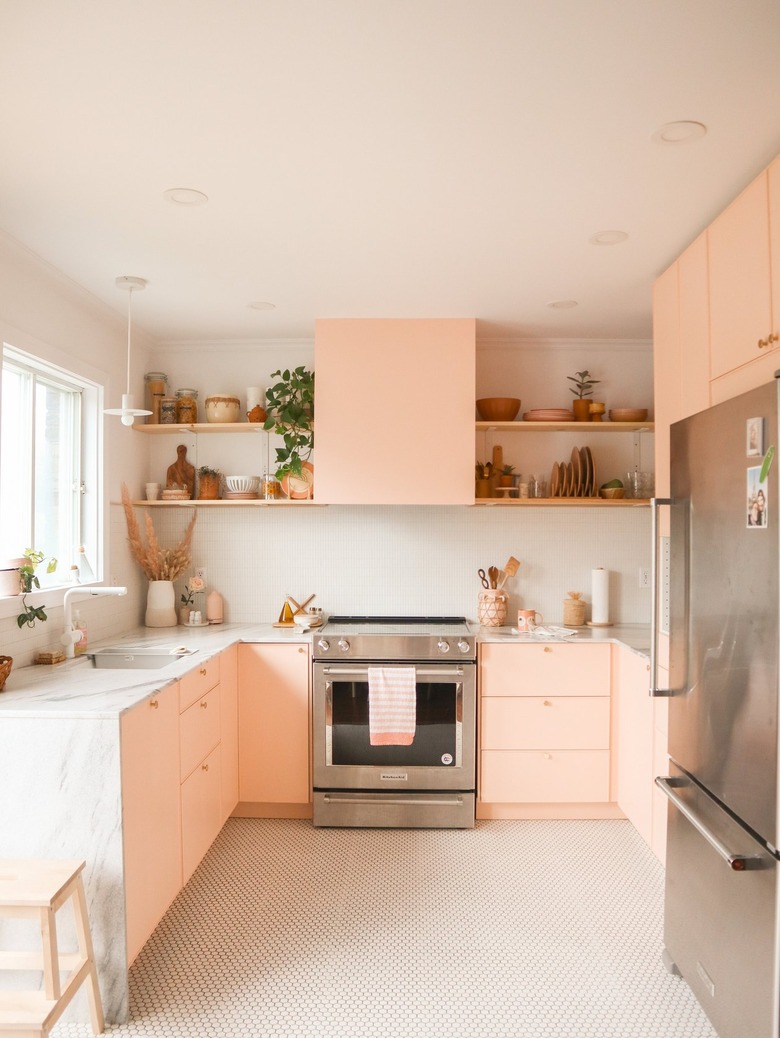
201	427
195	503
565	502
585	428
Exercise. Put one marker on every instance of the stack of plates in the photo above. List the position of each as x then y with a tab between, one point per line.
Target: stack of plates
575	478
549	414
628	414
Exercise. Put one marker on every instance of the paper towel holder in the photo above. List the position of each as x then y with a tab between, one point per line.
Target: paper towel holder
600	623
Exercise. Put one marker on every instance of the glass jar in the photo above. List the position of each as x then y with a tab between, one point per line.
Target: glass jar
168	410
270	489
156	387
186	406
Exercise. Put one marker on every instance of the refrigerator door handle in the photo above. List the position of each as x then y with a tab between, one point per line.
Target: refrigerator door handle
735	860
655	504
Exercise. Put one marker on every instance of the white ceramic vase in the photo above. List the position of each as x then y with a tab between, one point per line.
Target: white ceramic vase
161	604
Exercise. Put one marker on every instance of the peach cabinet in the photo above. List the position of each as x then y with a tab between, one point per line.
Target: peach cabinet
228	729
273	740
545	731
150	813
744	260
201	811
395	406
635	738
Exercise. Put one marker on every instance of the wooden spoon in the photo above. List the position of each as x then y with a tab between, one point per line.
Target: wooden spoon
509	570
493	575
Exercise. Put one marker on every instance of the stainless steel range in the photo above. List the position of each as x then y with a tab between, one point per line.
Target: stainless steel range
394	703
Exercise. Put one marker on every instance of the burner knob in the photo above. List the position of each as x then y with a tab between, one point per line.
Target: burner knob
343	644
323	644
463	645
443	646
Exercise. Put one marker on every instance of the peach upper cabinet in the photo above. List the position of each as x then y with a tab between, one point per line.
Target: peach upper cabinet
744	284
394	411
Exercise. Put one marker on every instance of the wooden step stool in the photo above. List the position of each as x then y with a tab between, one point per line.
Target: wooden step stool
36	889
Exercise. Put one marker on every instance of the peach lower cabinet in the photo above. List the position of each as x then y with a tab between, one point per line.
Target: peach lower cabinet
560	729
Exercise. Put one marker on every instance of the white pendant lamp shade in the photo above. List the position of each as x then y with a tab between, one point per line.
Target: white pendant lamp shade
127	412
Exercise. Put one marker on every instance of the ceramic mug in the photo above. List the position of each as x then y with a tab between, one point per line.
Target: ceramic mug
152	491
526	620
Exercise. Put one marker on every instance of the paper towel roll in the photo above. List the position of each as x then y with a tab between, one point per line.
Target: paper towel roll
599	612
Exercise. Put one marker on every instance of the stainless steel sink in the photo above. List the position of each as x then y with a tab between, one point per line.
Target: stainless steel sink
138	658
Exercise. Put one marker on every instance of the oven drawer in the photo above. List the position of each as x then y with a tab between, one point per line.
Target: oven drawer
536	723
545	776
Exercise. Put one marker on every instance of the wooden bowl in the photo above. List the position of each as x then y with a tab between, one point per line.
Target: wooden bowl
498	408
612	492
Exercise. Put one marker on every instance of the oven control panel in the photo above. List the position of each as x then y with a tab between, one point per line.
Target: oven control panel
394	647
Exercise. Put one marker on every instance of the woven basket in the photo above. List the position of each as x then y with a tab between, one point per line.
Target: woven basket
6	662
491	608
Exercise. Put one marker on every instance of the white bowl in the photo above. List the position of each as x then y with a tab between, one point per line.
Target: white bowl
303	620
242	484
223	409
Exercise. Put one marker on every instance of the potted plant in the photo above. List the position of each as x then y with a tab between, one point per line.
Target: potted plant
28	581
582	388
506	479
208	483
290	407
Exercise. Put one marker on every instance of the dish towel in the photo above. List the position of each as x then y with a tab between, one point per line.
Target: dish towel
392	705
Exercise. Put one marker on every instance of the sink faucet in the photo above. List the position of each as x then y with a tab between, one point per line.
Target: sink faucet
70	637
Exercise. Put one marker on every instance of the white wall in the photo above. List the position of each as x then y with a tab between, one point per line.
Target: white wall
388	560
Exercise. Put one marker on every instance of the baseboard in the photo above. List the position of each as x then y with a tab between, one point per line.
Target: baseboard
551	811
250	809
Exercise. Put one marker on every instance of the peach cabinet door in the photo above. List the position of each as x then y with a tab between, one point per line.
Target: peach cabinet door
544	670
201	812
533	723
199	727
199	680
774	243
694	337
228	733
151	821
545	776
273	736
635	738
394	406
666	370
739	274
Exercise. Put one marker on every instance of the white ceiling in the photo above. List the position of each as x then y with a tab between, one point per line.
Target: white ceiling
379	157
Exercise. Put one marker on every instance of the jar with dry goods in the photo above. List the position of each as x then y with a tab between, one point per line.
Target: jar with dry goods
270	490
156	388
168	410
186	406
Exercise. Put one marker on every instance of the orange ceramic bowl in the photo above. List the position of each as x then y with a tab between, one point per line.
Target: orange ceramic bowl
498	408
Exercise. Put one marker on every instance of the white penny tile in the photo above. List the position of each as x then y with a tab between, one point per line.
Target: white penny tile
522	929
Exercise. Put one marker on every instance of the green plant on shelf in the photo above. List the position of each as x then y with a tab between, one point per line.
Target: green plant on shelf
583	384
29	581
290	406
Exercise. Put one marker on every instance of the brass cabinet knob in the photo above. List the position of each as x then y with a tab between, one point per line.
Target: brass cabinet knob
153	703
203	704
548	648
547	756
203	671
204	767
547	702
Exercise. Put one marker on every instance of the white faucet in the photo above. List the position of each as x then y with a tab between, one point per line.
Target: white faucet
70	637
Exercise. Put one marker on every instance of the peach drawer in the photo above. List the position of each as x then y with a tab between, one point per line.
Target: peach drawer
536	723
192	686
544	670
199	731
200	812
544	776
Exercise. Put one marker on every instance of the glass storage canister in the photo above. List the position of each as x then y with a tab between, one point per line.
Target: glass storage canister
186	406
168	410
270	489
156	386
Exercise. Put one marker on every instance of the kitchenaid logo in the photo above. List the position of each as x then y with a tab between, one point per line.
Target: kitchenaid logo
393	776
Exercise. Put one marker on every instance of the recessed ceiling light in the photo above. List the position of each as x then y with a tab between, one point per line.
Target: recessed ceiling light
261	306
608	238
562	304
682	132
185	196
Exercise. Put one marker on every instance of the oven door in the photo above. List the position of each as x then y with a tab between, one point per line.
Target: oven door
442	754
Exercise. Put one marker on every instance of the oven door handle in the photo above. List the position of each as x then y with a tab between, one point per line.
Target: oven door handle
421	672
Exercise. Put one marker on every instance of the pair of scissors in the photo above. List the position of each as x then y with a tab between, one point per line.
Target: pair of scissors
483	578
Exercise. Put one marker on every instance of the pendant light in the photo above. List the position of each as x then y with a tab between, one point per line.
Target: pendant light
127	412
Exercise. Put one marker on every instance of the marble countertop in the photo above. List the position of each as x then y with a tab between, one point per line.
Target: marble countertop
77	689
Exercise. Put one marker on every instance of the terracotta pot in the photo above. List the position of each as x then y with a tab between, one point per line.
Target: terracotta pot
208	488
506	481
581	410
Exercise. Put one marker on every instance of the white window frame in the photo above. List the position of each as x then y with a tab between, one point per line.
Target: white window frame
46	361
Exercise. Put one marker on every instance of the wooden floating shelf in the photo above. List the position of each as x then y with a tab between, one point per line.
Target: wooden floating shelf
200	427
585	428
194	503
565	502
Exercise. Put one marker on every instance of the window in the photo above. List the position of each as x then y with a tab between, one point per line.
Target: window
47	465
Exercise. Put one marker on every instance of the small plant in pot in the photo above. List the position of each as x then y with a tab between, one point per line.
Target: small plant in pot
582	388
29	581
290	406
506	477
208	483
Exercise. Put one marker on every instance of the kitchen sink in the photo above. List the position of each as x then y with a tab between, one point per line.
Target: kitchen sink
137	658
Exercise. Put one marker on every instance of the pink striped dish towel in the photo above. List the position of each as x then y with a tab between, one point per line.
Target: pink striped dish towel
392	705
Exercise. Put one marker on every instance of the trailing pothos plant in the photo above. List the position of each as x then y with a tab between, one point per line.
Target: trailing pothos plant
28	581
290	407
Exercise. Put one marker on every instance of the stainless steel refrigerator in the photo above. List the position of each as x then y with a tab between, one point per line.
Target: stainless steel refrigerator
721	905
